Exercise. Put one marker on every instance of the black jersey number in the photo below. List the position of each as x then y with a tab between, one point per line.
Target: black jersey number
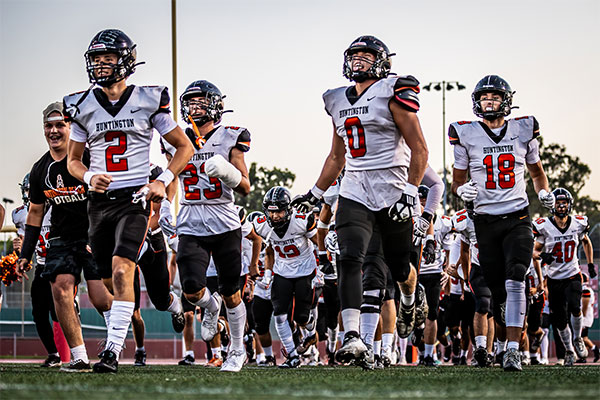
356	137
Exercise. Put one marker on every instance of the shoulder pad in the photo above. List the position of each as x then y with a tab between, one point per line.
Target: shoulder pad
72	102
453	135
243	137
406	90
538	225
531	125
582	220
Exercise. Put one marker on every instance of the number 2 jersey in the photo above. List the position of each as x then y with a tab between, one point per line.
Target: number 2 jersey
294	251
496	161
561	243
207	203
377	156
119	134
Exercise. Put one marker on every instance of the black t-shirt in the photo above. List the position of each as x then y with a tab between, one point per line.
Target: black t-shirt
51	183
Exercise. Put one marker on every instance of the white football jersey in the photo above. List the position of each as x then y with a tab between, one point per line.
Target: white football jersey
464	226
294	252
118	135
19	218
588	316
377	156
207	203
330	197
496	163
262	228
561	243
443	235
456	286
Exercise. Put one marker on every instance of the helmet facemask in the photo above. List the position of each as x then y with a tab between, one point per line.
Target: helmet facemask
210	102
502	111
124	67
563	203
380	68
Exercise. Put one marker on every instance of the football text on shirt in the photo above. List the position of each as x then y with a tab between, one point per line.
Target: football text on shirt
118	124
354	111
498	149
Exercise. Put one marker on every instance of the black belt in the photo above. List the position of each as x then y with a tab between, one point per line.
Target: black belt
114	194
524	212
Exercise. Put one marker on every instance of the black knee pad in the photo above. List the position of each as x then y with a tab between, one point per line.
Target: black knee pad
516	272
372	302
483	304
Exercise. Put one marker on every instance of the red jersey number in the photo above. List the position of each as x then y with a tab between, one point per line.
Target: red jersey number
117	149
356	137
288	251
506	174
194	194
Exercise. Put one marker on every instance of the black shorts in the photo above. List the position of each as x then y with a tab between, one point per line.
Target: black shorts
534	315
453	311
69	257
262	310
296	293
153	264
117	227
433	287
194	255
564	298
585	331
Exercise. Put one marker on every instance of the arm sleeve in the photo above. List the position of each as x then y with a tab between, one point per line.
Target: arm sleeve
533	152
243	141
436	189
406	90
163	123
461	158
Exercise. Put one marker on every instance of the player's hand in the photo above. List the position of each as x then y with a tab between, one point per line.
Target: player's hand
266	280
99	182
17	243
218	167
165	221
429	251
452	271
468	191
324	264
253	271
547	199
319	280
404	209
173	242
305	202
592	270
22	268
421	224
156	191
444	279
546	258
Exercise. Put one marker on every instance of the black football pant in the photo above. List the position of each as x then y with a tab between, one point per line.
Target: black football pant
482	293
42	305
564	298
355	226
153	265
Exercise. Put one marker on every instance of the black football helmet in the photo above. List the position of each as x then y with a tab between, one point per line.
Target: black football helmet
379	69
423	191
278	198
562	194
493	84
25	190
112	41
212	94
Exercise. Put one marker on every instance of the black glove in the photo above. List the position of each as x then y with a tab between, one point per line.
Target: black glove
429	252
325	265
305	202
403	209
592	270
547	258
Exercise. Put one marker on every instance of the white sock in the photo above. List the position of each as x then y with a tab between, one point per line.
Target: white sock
545	344
516	302
565	336
332	339
526	354
237	322
429	350
175	307
351	319
387	340
435	358
190	353
512	345
377	347
120	318
106	315
285	333
80	353
140	348
207	302
463	353
368	326
216	351
341	336
268	351
408	300
500	346
260	357
402	343
481	341
577	325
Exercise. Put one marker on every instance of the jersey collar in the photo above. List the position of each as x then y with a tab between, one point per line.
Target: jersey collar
113	109
492	135
565	229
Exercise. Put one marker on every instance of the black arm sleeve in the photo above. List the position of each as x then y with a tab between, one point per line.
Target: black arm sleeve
243	141
453	135
32	234
406	90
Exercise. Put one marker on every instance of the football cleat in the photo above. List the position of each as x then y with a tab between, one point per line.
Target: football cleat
500	358
210	320
378	362
215	362
463	360
290	362
235	361
580	348
428	362
52	361
77	366
512	360
367	360
178	321
139	358
306	343
569	359
481	356
108	362
596	354
405	323
352	349
187	360
536	343
269	361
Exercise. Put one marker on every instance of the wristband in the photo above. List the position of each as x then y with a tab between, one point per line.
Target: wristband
322	225
411	190
87	177
429	237
322	252
166	177
318	193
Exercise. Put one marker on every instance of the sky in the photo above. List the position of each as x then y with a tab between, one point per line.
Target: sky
274	59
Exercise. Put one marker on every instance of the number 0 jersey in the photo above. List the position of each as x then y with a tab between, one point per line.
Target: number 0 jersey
119	134
207	203
496	163
294	252
561	243
377	156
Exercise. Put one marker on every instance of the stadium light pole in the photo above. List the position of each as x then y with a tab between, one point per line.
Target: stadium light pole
443	86
174	97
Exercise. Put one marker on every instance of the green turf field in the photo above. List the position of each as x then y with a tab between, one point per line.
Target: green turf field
26	381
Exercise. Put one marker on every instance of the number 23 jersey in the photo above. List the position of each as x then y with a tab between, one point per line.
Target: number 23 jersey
561	243
496	161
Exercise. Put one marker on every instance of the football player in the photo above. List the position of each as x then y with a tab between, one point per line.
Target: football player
495	152
208	224
67	254
588	298
557	239
117	122
289	254
378	138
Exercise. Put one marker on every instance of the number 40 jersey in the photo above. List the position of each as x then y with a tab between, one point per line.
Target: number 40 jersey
561	243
